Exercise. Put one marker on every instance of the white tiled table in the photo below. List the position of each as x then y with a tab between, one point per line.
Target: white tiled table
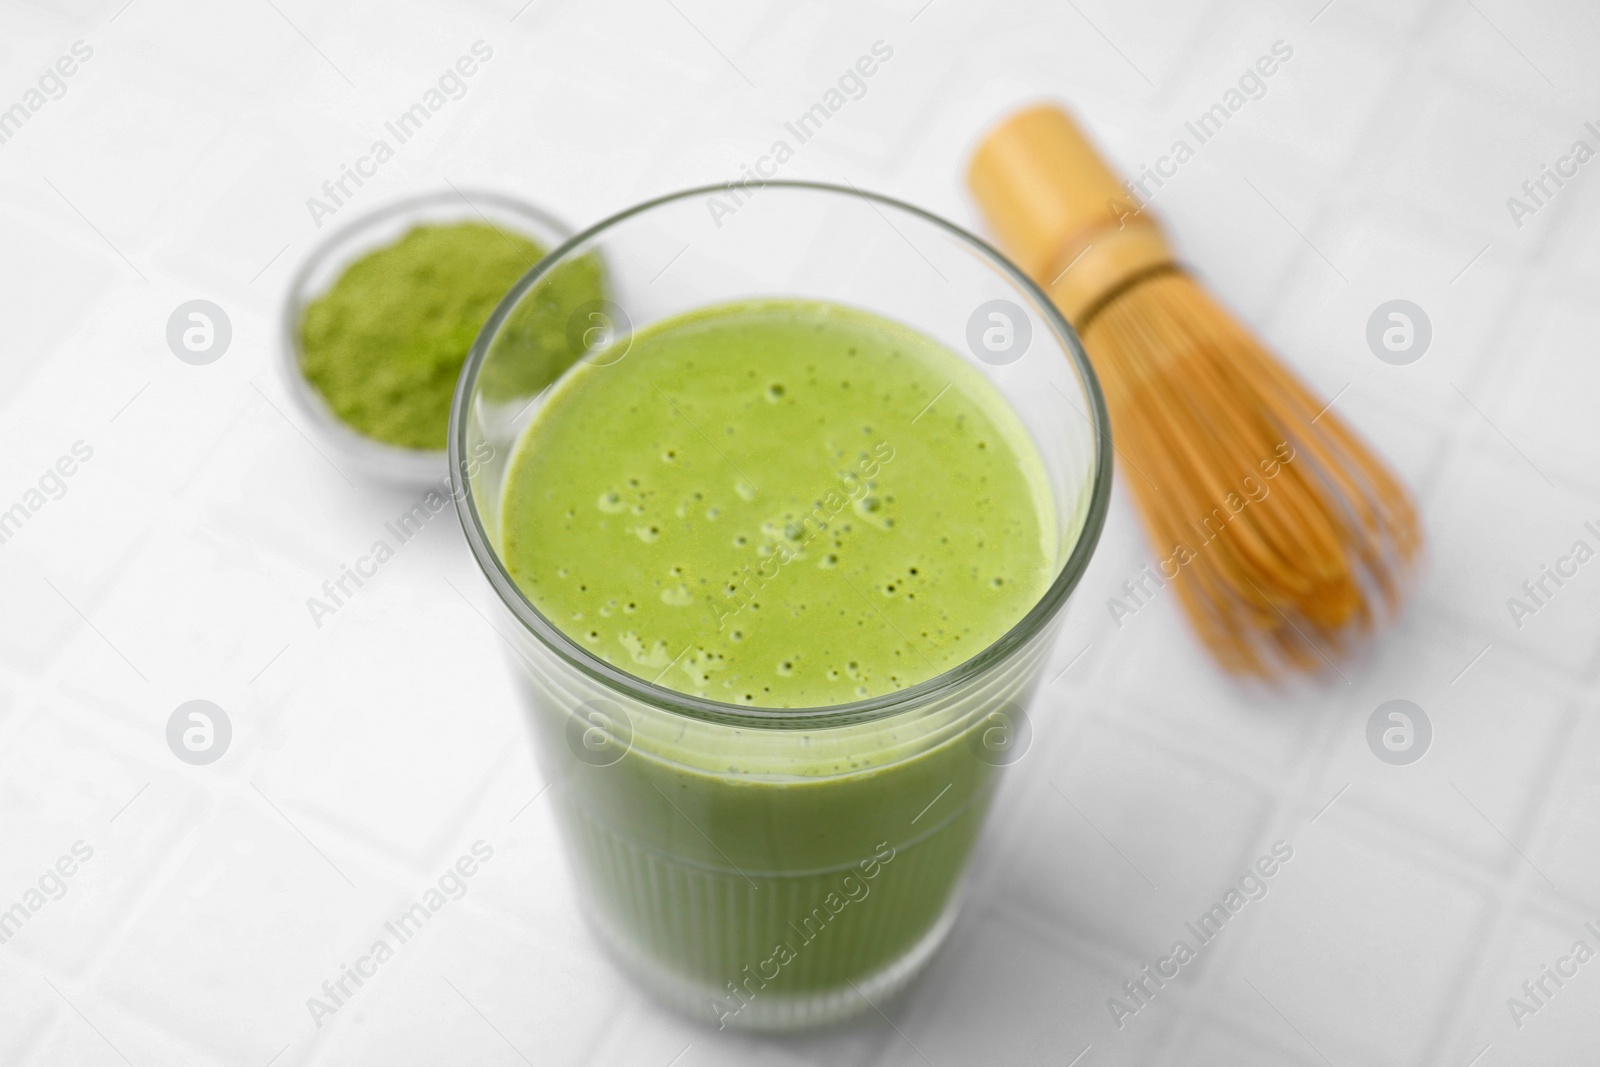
370	753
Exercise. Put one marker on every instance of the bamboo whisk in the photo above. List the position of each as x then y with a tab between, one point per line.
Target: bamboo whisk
1285	538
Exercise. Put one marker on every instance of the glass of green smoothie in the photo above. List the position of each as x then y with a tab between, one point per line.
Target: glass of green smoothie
781	557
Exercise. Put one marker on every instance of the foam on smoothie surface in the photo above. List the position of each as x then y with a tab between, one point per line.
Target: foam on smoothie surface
779	503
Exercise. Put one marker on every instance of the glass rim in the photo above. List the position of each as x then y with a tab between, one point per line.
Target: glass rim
922	695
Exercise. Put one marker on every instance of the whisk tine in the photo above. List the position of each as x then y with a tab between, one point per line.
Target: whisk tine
1195	398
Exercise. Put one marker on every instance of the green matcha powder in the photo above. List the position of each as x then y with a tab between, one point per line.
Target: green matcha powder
384	346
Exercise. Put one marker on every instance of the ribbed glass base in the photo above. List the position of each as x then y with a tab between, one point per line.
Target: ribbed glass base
771	950
761	1010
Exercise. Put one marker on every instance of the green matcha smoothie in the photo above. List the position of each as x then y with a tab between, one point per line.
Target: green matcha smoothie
777	504
781	504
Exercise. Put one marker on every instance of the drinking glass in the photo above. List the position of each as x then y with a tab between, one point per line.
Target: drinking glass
778	868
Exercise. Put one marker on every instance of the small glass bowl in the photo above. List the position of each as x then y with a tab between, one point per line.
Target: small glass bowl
350	450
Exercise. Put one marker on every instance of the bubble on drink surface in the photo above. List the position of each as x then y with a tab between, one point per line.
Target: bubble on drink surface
654	654
678	596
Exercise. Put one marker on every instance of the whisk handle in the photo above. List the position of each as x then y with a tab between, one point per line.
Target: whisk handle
1060	212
